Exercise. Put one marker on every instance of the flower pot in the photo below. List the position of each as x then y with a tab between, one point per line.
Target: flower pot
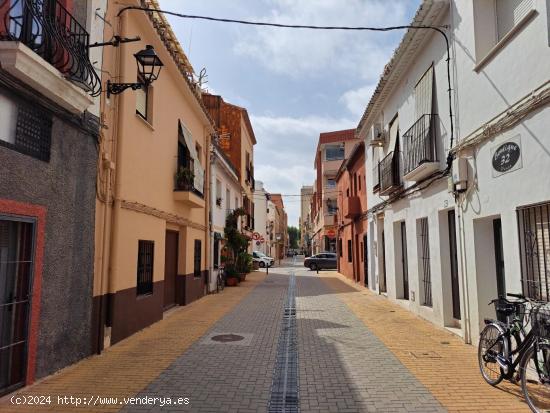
231	281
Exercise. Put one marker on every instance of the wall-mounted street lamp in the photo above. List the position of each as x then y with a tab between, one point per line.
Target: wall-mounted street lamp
148	66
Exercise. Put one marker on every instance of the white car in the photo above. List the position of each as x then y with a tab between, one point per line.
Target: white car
262	259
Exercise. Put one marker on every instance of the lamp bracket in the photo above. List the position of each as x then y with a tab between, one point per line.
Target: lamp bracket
116	88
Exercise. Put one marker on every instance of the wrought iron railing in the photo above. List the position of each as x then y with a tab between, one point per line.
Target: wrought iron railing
48	29
186	182
419	143
390	174
376	177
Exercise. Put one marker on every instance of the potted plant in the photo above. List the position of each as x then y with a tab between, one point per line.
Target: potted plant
231	276
185	178
219	202
244	264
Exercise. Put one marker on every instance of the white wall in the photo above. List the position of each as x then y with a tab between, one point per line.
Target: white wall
260	217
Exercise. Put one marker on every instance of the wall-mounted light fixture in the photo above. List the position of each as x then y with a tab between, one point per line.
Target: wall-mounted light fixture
148	66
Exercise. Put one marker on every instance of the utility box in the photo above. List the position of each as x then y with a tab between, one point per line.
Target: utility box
460	174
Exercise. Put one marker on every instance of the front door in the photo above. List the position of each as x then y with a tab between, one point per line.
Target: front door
404	261
170	268
455	287
383	288
499	258
366	260
16	267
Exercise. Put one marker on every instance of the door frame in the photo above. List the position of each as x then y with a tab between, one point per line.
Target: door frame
453	252
499	257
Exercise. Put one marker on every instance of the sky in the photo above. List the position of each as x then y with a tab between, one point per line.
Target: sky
295	84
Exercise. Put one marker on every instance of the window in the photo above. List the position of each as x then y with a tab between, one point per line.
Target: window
142	101
25	128
218	193
424	261
494	20
534	244
334	153
355	184
332	206
197	258
350	252
340	247
423	94
146	250
331	183
228	198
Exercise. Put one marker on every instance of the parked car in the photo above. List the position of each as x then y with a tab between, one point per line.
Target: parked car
322	261
262	259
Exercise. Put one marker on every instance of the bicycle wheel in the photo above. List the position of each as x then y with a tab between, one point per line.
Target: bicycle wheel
491	344
535	377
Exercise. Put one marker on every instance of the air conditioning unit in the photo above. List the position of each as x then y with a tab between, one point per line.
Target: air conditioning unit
377	135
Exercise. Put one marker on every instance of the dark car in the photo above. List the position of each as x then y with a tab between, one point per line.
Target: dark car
322	261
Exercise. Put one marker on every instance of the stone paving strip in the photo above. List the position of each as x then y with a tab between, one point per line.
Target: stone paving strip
344	367
229	376
126	368
451	374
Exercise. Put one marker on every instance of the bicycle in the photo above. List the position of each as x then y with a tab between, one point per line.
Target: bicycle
531	356
220	279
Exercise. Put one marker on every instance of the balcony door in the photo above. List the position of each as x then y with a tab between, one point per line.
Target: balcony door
16	267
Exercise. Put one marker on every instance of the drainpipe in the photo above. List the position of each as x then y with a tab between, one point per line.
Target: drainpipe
207	208
210	217
464	273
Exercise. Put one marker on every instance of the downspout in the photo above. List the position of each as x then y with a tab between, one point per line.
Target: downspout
207	209
210	216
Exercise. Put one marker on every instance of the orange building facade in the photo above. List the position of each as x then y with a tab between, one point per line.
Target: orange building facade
351	219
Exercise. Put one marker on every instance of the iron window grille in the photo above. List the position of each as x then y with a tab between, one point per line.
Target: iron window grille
16	258
350	252
424	244
534	248
145	261
419	143
33	131
197	258
48	29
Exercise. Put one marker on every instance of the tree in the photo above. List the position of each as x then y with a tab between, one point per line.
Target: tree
237	243
294	235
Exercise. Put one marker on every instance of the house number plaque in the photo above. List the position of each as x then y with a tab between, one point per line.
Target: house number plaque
507	156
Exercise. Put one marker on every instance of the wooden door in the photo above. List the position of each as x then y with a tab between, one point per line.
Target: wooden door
170	268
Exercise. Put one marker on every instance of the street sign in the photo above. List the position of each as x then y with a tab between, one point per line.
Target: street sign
256	236
331	233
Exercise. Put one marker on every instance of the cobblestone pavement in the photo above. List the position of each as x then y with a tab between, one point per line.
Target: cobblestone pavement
355	354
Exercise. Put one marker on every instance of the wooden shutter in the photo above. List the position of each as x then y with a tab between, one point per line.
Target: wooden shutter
423	92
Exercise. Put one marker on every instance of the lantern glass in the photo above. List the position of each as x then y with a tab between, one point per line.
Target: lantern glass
148	64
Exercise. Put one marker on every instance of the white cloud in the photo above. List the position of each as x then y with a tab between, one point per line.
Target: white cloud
300	53
285	153
356	100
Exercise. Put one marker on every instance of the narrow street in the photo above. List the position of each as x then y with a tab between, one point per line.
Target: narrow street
354	351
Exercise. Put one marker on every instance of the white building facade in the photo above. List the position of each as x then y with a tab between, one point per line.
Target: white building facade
225	197
446	237
261	199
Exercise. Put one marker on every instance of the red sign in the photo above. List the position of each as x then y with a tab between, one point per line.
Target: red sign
262	240
256	236
331	233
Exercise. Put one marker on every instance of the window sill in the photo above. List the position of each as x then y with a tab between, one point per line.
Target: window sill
506	39
145	122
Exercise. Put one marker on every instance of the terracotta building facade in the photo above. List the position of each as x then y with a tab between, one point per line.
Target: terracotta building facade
351	222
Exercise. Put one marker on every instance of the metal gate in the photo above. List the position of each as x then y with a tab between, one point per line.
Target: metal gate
534	250
16	268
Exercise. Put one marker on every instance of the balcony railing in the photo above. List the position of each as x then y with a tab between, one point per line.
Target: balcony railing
419	144
48	29
390	174
376	177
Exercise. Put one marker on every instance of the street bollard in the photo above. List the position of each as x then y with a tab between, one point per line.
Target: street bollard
267	269
317	270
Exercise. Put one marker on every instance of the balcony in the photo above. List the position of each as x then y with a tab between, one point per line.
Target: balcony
390	174
185	190
43	45
376	178
419	149
352	207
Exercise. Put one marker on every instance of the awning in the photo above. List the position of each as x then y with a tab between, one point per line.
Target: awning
198	170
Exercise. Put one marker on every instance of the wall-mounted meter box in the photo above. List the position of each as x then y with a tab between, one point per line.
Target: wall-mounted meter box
460	174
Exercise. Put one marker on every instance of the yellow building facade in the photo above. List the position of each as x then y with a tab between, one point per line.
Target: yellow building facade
151	234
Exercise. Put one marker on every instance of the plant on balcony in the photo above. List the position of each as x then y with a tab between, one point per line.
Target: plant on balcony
218	201
185	178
